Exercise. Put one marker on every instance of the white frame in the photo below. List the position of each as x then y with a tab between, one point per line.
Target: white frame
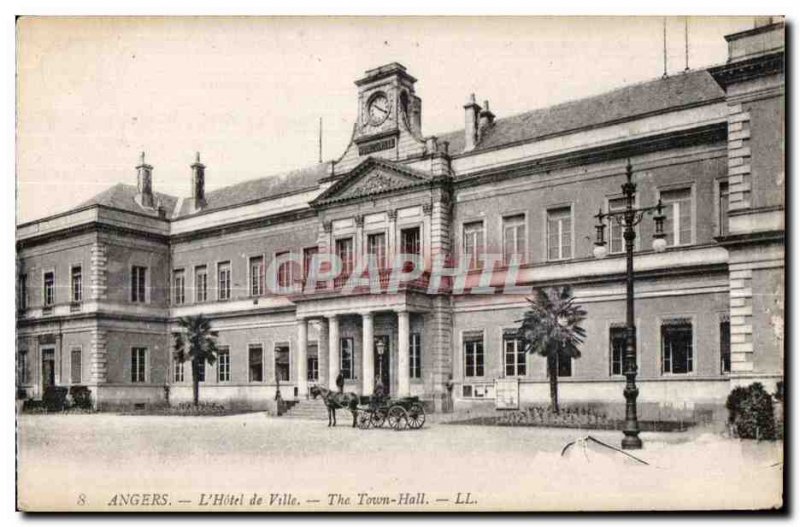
411	355
227	348
463	245
262	283
173	297
692	207
386	256
290	261
721	317
230	280
303	250
194	283
146	365
607	347
503	373
525	256
464	355
174	363
352	238
637	241
72	268
546	212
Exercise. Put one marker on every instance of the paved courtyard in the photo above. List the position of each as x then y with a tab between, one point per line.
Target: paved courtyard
106	461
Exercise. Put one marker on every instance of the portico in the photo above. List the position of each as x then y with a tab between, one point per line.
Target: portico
369	341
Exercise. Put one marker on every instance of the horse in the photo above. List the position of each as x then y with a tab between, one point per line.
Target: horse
336	400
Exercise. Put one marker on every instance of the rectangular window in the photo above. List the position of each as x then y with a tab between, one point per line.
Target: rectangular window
224	281
308	260
676	346
415	356
473	244
49	288
564	366
617	343
23	292
75	366
256	276
678	210
559	233
514	238
138	364
473	355
725	346
178	287
223	364
138	283
285	274
723	208
346	357
282	362
312	363
376	247
177	370
76	284
410	241
616	241
200	283
344	250
514	355
256	362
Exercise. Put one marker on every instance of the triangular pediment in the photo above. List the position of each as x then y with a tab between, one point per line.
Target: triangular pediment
372	177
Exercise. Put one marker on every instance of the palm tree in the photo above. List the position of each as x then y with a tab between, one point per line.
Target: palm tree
196	342
551	328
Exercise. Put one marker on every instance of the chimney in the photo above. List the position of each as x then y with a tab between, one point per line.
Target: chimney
471	111
486	119
198	183
144	184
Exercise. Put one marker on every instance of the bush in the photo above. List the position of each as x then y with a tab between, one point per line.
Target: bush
55	398
751	412
734	402
81	397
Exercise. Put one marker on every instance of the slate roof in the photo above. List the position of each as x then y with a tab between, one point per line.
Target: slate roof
695	87
121	196
637	100
263	188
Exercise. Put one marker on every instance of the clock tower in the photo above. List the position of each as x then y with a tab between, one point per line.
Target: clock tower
389	118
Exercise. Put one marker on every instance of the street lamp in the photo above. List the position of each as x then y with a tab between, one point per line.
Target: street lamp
628	218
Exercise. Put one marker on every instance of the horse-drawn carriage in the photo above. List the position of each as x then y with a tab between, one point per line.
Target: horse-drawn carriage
397	414
373	411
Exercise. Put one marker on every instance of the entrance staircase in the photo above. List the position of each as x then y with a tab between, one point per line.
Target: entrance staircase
313	409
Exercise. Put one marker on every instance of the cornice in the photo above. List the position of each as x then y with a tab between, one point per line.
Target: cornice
716	132
742	70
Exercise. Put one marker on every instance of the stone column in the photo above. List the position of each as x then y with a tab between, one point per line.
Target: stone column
302	357
323	353
333	351
403	343
368	369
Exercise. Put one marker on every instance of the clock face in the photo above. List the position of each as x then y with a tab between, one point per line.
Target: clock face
378	109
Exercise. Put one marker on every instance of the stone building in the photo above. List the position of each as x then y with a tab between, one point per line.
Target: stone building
101	286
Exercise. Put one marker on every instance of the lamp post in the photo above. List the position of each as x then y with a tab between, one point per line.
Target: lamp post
628	218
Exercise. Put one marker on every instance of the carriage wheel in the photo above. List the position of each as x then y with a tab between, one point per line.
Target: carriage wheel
363	420
416	416
397	418
377	418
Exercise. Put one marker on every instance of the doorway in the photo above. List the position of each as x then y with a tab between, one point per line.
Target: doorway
48	367
381	350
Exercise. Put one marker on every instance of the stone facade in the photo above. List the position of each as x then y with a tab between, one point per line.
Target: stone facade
709	143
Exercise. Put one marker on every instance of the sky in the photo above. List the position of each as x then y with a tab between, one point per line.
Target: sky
248	93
